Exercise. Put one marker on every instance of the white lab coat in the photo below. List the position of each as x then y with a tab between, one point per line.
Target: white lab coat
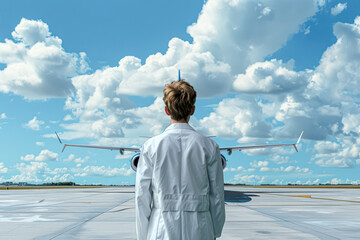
179	187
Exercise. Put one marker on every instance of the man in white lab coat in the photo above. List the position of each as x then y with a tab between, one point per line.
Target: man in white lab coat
179	180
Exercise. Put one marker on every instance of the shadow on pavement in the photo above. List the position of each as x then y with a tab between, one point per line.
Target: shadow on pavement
235	196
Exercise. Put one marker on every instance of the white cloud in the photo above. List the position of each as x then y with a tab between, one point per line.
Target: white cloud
59	178
270	77
100	100
57	171
235	118
36	64
3	169
37	172
326	147
28	157
335	162
259	164
225	28
285	169
238	169
33	172
342	154
337	9
102	171
44	156
34	124
68	117
40	144
248	179
278	159
3	116
336	181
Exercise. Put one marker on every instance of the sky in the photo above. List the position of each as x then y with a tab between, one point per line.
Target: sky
263	70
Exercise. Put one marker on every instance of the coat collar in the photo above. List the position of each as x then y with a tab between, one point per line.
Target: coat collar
179	126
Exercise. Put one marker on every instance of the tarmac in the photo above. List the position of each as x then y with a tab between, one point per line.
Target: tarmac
251	213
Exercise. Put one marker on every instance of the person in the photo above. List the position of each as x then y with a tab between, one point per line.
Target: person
179	190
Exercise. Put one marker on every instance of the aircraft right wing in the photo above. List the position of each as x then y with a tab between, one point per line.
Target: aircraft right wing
240	148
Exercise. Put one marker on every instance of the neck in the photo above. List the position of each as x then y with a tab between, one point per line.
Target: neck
179	121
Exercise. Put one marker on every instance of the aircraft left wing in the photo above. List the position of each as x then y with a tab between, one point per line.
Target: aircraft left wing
240	148
121	149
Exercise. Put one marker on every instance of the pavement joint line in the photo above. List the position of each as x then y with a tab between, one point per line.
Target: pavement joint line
318	198
87	220
295	225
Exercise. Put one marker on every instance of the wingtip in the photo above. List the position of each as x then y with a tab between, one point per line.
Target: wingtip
58	138
300	137
296	148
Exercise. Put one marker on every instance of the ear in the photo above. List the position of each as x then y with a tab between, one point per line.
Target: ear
192	110
167	111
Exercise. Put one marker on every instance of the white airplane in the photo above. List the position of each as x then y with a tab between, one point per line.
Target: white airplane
134	160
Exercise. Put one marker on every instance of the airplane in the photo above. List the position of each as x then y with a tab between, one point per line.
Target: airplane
134	160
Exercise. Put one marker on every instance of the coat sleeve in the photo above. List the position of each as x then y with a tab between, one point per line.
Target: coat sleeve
216	194
143	195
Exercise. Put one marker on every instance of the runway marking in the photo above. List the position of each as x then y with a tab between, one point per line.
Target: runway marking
318	198
303	196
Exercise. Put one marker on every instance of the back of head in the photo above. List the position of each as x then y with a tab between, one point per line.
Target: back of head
179	98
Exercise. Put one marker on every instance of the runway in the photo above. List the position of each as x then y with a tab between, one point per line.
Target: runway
251	213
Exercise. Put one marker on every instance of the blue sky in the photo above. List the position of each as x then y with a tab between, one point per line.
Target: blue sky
264	71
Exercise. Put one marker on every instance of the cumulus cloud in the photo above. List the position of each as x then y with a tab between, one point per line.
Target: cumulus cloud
40	144
59	178
248	179
238	169
270	77
37	172
325	102
259	164
326	147
335	162
3	116
33	172
78	160
220	48
34	124
236	118
68	118
337	9
44	156
287	169
243	32
36	64
343	153
3	169
102	171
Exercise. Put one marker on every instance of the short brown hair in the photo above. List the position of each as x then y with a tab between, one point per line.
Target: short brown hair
179	98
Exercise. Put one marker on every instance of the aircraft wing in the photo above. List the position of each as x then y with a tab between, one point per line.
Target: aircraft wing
121	149
240	148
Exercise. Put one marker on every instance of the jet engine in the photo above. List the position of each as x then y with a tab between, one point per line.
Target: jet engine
223	161
134	161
